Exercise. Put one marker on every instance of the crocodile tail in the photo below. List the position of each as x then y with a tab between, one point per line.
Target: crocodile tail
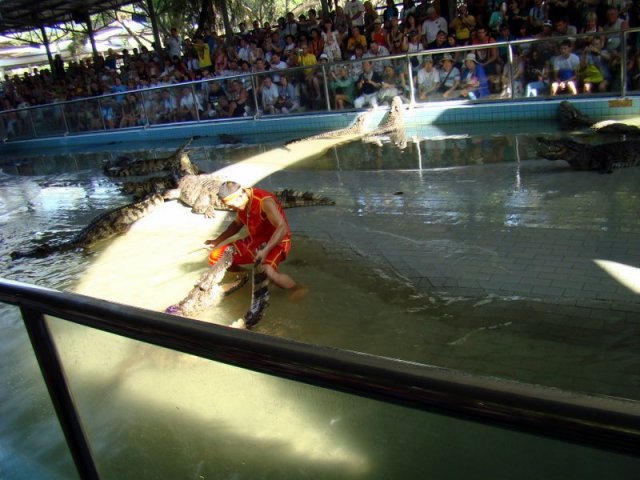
292	198
259	298
42	251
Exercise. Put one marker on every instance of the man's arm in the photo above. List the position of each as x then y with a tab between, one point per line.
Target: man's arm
277	220
229	232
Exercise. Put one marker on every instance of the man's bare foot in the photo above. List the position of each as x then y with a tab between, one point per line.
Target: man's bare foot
239	324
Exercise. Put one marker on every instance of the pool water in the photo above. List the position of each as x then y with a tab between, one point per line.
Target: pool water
376	266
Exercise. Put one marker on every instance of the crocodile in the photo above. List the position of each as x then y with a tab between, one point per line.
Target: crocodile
200	192
603	157
570	117
392	125
209	291
177	163
108	224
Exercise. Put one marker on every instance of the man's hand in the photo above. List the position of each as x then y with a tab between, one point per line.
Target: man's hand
210	244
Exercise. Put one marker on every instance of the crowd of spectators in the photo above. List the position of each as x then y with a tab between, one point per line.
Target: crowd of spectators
356	33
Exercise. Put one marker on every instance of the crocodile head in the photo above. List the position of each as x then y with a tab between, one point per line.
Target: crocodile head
569	116
560	149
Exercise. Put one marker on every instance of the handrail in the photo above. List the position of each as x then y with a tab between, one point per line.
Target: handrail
602	422
323	67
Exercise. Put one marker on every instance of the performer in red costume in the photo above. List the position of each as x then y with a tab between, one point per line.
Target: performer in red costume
269	239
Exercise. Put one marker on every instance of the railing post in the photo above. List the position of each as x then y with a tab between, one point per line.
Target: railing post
195	101
623	64
412	95
51	367
326	88
512	90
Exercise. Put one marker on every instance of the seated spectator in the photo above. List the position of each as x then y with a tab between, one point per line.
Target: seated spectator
396	39
288	100
190	105
376	50
343	87
368	86
274	65
238	99
107	111
536	74
316	43
433	24
331	39
130	112
356	39
517	69
379	34
449	78
440	42
613	25
268	96
565	70
474	82
169	110
594	70
427	79
393	85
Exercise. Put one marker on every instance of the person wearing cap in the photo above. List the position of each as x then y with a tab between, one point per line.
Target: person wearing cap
379	34
463	25
473	80
433	24
427	79
449	77
269	235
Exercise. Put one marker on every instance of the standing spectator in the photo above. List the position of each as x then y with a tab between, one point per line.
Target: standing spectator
354	11
408	8
390	11
331	42
290	26
613	25
204	55
433	24
370	16
565	70
536	17
173	44
341	23
463	25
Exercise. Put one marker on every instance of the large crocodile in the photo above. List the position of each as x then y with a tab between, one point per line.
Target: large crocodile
570	117
111	223
178	164
603	157
201	193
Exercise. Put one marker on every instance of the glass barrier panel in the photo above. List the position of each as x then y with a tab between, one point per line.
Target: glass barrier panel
154	413
132	112
48	120
165	105
31	440
80	115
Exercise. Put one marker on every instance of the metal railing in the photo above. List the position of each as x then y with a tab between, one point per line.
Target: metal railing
601	422
314	87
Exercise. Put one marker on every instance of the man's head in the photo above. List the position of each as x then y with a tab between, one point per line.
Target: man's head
233	195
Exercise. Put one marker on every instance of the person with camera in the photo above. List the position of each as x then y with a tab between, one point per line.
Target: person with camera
368	86
463	25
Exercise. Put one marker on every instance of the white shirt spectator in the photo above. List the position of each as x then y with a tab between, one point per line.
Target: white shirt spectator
433	24
269	95
351	9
